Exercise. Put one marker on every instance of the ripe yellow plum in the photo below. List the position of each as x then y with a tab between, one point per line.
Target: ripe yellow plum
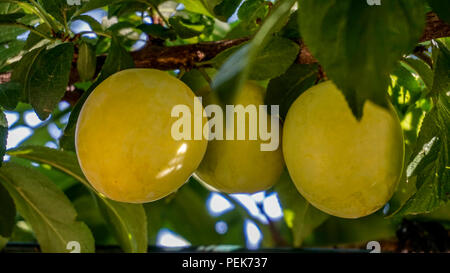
240	165
342	166
123	136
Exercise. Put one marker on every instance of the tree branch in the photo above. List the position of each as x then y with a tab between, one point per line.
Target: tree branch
187	56
435	28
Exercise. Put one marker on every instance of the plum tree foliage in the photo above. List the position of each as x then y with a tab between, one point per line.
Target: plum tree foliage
54	53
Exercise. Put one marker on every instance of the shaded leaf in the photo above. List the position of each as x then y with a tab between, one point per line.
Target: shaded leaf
3	242
127	221
118	59
291	30
299	214
274	59
345	37
337	231
226	9
95	26
188	25
157	31
430	159
11	17
3	135
185	213
95	4
422	69
45	208
23	71
33	39
198	6
59	9
285	89
235	71
64	161
430	164
7	213
49	78
183	30
10	49
9	95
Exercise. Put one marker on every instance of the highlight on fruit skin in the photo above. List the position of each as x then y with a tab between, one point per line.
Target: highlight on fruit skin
344	167
123	136
239	166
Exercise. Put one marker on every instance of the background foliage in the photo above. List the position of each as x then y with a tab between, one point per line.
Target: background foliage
54	52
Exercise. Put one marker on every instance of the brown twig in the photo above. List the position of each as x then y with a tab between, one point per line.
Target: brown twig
187	56
435	28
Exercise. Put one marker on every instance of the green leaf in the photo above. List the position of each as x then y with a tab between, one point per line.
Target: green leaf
49	78
33	39
300	216
23	71
48	211
95	4
291	30
199	6
285	89
6	8
12	13
183	30
95	26
441	80
422	69
158	31
127	221
188	25
274	59
345	37
117	27
9	50
221	9
87	61
9	95
64	161
11	18
406	79
223	56
226	9
430	159
118	59
185	208
3	135
3	242
338	231
441	8
235	71
60	9
252	10
430	163
195	79
7	213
